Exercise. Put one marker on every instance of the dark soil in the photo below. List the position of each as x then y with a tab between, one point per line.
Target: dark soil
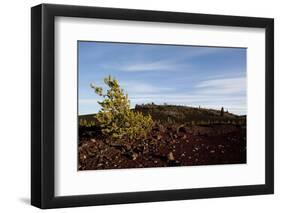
166	145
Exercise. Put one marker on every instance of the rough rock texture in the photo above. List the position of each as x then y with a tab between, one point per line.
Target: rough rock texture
166	145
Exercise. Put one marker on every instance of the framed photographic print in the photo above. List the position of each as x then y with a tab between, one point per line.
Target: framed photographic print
139	106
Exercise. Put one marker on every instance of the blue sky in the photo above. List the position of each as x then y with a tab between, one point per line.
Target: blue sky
211	77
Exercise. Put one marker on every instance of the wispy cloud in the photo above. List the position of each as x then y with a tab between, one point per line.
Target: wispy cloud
154	66
142	66
138	87
226	86
166	63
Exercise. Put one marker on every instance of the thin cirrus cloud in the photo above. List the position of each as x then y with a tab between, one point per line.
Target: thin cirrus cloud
155	66
146	65
135	87
227	86
168	63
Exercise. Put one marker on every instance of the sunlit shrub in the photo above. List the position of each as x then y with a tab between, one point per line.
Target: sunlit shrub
85	123
115	118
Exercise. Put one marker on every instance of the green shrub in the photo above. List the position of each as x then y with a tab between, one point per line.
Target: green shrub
85	123
115	118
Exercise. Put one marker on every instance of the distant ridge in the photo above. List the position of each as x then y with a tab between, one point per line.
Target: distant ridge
183	114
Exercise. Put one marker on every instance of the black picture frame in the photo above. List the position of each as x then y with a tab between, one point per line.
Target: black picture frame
43	117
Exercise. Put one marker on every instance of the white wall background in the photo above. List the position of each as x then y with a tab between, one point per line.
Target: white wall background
15	105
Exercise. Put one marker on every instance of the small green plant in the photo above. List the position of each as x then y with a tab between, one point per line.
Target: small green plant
85	123
115	118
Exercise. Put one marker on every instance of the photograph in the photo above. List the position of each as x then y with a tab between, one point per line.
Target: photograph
136	105
160	105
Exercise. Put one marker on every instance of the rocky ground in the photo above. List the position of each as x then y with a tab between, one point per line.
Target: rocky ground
167	145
